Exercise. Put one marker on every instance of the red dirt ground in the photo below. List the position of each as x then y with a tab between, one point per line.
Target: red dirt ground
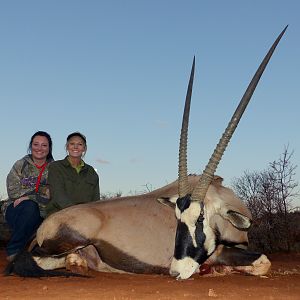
283	282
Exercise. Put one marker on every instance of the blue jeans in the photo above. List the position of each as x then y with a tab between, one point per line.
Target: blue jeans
23	220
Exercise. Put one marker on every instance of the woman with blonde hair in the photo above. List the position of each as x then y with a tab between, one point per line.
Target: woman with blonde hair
71	180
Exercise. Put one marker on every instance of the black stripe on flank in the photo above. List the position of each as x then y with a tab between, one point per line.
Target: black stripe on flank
66	239
120	260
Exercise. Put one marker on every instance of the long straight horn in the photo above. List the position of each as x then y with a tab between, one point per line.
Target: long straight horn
207	176
183	185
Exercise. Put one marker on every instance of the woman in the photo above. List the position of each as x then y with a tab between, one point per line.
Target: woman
71	180
28	193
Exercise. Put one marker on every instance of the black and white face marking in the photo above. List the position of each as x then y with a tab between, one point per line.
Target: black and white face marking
194	241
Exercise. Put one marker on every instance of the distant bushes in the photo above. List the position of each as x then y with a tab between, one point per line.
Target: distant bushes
269	195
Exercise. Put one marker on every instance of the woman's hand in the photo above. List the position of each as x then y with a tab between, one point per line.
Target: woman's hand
18	201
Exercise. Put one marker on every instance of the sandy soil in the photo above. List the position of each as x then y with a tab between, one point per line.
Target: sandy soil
283	282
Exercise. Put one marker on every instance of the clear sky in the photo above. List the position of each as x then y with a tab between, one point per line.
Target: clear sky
117	71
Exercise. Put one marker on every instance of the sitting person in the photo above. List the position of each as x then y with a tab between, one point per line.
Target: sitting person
72	181
28	193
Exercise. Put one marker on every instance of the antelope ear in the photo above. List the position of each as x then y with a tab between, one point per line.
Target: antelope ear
238	220
169	201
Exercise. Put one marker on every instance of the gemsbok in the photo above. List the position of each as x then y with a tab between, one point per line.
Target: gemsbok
142	234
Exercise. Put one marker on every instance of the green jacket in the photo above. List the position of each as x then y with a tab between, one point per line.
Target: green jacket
21	181
67	187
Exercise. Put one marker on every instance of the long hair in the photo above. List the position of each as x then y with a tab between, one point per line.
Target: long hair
48	137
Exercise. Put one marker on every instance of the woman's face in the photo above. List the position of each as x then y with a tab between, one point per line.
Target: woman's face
39	148
76	147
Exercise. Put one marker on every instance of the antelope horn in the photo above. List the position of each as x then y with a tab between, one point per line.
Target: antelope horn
183	185
207	176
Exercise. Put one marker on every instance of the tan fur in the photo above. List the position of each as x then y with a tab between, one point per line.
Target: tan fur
139	226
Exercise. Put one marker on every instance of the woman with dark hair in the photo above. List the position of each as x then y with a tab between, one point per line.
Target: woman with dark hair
71	180
28	193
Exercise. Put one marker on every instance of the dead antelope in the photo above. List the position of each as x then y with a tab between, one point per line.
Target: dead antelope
136	234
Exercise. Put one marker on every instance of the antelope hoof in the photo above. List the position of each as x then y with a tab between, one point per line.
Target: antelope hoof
76	264
259	267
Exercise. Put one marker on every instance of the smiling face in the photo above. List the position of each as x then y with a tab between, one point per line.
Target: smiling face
76	147
39	149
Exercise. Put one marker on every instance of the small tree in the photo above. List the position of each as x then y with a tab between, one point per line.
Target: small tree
269	195
285	186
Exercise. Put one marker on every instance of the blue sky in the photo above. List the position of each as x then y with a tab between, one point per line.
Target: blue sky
118	70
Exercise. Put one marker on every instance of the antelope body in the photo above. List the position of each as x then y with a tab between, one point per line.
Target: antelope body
136	234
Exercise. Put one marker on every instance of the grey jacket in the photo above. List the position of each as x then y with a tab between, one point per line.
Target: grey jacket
21	181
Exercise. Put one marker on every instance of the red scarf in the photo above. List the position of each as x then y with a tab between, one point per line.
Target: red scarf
42	169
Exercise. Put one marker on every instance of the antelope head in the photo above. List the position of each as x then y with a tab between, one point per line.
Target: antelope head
195	238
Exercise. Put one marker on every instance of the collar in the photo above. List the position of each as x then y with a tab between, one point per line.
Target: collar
78	168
